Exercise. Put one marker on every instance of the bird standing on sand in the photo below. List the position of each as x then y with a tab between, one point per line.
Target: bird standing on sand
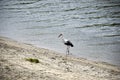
66	42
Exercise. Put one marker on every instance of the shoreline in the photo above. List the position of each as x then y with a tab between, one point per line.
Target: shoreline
52	66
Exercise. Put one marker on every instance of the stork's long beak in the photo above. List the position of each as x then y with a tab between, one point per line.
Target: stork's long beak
60	35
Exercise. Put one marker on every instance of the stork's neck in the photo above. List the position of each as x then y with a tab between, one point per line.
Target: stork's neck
63	39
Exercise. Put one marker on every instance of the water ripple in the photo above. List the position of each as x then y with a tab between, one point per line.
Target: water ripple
101	25
112	35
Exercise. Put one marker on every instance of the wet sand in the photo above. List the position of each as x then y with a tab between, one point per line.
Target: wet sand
52	65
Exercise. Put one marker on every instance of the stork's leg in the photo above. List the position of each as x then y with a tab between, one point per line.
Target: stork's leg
68	51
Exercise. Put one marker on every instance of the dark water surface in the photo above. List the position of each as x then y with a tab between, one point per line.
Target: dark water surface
92	25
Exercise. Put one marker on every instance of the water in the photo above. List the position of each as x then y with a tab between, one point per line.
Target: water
93	26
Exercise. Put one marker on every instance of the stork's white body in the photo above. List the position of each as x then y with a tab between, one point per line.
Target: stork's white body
64	40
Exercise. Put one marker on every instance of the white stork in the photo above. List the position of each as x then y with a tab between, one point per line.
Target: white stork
67	43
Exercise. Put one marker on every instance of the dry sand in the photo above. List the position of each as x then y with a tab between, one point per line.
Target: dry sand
52	66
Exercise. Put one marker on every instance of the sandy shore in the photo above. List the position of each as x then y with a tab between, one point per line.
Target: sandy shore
51	66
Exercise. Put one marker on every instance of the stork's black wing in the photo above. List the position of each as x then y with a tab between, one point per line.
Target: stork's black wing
69	43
